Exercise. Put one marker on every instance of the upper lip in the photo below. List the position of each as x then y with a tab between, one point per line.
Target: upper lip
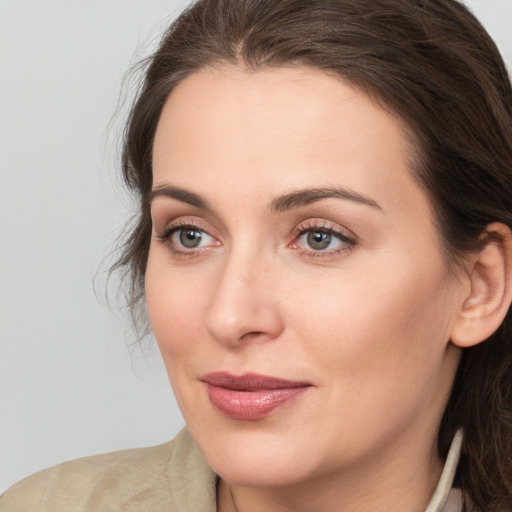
250	381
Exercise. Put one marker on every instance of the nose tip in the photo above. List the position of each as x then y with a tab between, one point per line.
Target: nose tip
244	309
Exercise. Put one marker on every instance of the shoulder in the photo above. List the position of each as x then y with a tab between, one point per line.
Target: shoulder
156	478
97	482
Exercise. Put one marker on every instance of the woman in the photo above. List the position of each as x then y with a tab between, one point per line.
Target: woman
325	254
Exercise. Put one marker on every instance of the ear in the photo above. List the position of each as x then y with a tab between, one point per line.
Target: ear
490	277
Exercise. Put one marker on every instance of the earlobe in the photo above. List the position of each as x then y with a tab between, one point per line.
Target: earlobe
490	275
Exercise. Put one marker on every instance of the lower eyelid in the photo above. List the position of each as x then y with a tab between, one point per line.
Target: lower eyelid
329	254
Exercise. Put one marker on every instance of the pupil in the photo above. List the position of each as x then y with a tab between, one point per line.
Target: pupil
190	238
318	240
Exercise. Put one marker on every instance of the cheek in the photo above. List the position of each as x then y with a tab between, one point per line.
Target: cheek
373	324
377	345
176	308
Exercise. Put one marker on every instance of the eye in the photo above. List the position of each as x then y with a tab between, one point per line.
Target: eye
185	239
190	238
319	240
322	240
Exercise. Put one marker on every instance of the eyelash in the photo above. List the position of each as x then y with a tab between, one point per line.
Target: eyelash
347	242
165	238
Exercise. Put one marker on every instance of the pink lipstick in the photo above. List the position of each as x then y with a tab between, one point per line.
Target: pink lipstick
250	396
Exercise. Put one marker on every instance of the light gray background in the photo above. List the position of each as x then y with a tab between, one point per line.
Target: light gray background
69	384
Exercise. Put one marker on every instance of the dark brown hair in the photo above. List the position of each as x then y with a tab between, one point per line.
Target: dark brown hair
431	63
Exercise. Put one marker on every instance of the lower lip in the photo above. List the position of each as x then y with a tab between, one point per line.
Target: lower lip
251	405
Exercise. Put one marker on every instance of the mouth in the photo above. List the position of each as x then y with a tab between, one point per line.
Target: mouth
251	396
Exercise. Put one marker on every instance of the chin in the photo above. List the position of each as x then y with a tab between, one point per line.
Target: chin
260	472
253	458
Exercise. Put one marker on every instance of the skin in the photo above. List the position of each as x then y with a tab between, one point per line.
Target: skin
367	322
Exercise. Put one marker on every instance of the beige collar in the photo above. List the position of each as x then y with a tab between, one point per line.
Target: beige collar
446	499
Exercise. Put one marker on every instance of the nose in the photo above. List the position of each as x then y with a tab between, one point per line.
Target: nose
245	304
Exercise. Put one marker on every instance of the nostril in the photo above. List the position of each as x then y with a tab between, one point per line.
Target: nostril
250	336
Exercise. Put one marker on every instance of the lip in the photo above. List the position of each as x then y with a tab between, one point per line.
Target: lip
250	396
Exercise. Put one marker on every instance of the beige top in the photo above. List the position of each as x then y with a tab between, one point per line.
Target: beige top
172	477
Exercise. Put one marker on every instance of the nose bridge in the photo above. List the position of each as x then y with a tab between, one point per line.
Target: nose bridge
243	305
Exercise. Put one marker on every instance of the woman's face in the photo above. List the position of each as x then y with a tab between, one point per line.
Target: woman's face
295	281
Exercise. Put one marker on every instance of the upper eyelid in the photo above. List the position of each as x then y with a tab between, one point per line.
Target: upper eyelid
324	225
184	223
162	218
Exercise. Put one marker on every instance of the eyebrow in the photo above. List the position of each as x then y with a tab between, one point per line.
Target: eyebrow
180	194
285	202
307	196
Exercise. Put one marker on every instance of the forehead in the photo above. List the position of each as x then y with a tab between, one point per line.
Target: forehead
258	131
